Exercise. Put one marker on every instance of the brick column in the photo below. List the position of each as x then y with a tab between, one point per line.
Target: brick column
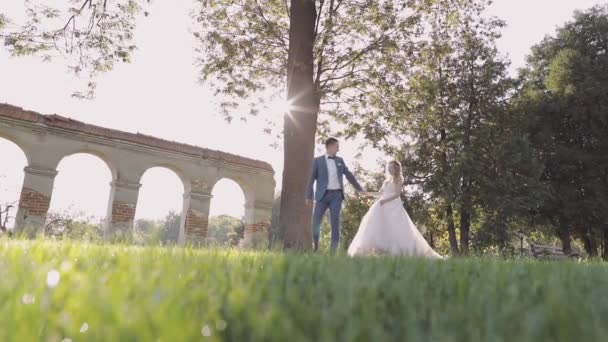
34	201
195	217
257	225
121	210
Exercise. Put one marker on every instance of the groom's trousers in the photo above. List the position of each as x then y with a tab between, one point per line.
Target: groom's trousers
332	200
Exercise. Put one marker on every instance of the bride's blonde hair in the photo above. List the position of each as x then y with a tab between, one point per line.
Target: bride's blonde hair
397	178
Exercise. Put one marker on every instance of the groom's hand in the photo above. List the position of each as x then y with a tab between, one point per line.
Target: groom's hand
308	201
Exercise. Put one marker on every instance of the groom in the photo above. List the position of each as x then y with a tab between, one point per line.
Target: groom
327	171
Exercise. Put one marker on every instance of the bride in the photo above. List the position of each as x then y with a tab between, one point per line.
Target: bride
387	228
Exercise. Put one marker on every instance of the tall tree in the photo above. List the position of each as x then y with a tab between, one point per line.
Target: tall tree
443	116
334	54
300	124
565	93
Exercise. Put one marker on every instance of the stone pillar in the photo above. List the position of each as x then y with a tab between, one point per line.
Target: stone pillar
34	201
195	218
121	210
257	225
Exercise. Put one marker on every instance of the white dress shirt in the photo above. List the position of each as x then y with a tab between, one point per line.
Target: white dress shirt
333	183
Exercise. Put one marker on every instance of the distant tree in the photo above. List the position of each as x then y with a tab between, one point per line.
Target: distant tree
225	230
170	228
565	96
5	215
65	225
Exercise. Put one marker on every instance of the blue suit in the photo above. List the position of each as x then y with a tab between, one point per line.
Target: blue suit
325	199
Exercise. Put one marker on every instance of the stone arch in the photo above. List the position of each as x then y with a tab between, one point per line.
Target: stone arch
227	212
175	170
258	205
228	182
244	181
89	185
11	179
93	152
160	197
47	139
17	143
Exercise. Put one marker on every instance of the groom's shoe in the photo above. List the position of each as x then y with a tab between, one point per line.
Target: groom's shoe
315	246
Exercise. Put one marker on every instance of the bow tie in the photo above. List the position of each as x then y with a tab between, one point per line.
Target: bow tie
330	157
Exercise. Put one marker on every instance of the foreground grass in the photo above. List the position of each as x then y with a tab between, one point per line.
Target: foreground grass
51	291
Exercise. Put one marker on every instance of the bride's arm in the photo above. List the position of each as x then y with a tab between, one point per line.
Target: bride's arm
392	197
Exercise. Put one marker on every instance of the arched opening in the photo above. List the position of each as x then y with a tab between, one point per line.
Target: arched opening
159	207
12	164
226	214
80	197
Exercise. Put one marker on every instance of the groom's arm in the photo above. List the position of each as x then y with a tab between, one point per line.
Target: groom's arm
351	178
311	179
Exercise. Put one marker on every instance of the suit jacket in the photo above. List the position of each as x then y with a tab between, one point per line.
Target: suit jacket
320	174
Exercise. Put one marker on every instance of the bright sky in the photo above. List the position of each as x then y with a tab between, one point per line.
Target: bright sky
158	94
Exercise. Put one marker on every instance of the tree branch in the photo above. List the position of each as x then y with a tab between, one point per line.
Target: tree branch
271	27
73	17
328	27
319	13
372	46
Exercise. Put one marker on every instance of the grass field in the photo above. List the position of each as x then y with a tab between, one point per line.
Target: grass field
51	291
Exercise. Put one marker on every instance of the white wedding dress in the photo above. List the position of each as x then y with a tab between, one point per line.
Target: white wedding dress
388	229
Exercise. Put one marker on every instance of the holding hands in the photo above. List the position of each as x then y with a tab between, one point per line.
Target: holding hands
369	194
376	194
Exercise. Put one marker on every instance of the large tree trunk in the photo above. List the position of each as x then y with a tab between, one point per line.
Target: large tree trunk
452	230
590	244
466	206
300	126
465	219
449	212
589	247
563	233
465	231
